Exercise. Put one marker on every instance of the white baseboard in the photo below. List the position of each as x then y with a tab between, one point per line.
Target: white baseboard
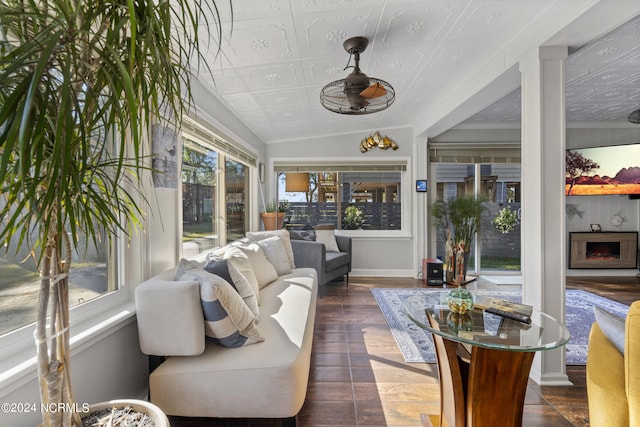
382	273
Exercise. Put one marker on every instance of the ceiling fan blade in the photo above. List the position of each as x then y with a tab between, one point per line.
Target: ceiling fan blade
376	90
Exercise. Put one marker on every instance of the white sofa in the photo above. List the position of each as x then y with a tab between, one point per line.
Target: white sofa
200	378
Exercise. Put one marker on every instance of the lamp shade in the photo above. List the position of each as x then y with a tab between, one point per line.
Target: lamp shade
297	182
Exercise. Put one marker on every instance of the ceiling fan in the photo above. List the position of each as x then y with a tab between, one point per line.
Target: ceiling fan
357	93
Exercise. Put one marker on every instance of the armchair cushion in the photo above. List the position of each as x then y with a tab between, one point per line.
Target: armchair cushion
336	260
613	387
327	237
612	326
303	234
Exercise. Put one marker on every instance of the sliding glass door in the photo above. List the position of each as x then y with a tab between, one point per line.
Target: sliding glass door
493	250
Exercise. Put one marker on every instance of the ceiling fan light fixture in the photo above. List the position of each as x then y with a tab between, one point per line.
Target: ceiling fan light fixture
357	93
634	117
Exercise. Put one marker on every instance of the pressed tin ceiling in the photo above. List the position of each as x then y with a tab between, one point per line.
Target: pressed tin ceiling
282	52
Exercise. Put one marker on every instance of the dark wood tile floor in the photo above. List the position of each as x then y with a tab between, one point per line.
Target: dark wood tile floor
359	377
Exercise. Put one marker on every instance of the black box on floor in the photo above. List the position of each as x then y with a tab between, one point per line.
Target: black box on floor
432	272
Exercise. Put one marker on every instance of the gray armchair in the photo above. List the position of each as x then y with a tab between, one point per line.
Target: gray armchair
328	265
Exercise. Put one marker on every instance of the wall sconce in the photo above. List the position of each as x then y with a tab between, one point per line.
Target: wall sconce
297	182
376	140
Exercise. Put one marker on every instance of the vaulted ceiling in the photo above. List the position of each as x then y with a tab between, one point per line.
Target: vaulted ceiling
280	53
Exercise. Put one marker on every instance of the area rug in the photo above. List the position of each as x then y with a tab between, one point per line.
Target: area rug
416	344
504	280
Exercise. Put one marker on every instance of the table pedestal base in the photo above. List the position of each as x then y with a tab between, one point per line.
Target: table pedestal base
483	389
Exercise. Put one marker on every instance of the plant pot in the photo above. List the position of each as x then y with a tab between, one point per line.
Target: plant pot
272	220
453	275
155	413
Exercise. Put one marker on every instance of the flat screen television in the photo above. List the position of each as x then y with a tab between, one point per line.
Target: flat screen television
613	169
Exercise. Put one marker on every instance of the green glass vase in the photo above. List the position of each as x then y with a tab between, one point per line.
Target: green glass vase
460	300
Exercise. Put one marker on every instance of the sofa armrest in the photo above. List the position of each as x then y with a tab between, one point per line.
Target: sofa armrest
608	404
170	319
310	254
632	362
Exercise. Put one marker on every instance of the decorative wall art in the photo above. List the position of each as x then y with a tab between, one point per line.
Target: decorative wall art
165	156
376	140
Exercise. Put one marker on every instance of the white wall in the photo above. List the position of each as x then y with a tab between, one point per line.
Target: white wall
373	255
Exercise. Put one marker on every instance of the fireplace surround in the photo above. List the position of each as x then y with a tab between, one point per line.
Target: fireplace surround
603	249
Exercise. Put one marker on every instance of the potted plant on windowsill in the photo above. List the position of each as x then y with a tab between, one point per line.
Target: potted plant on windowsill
273	215
80	85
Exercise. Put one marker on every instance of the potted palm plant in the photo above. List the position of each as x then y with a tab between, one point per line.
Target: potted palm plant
458	220
80	85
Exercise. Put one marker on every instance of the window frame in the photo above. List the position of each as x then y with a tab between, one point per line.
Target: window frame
208	138
377	164
90	320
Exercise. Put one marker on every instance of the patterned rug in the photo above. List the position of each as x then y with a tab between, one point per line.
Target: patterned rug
416	344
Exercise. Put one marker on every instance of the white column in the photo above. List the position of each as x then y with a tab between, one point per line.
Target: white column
543	212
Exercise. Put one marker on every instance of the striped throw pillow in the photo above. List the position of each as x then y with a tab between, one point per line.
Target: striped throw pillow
228	320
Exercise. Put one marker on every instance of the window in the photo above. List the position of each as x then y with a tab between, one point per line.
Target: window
215	189
236	185
356	196
90	277
463	172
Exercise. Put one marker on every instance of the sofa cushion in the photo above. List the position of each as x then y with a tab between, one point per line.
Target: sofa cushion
282	234
226	270
264	271
276	254
327	237
228	320
185	265
336	260
242	263
612	326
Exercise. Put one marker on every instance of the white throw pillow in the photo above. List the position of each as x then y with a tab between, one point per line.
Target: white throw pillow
327	237
276	254
242	264
228	320
185	265
282	234
264	271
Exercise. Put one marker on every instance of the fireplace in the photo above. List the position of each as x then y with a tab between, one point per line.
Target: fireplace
603	250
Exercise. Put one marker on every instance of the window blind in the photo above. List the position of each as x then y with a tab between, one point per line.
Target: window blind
476	152
204	135
340	166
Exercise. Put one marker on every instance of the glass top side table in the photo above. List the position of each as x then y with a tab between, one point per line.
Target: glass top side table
484	360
